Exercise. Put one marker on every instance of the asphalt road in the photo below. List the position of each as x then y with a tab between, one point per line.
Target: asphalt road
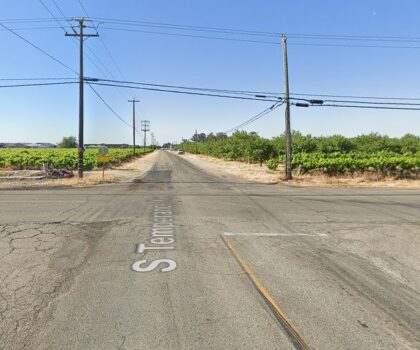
182	259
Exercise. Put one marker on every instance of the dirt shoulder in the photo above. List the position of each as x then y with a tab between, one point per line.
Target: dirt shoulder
25	179
261	174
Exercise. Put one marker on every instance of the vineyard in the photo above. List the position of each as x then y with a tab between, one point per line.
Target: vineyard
333	154
22	158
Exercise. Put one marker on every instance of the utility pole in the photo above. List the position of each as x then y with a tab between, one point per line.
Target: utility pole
134	101
196	139
153	139
145	127
81	36
287	112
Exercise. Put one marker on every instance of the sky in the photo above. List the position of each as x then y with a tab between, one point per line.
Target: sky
47	113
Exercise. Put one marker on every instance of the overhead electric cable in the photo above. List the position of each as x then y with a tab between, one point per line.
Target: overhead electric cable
31	28
56	83
256	117
369	107
52	15
356	46
183	92
38	84
104	45
75	40
108	106
192	36
254	32
26	20
244	92
360	97
374	102
38	48
231	31
23	79
258	41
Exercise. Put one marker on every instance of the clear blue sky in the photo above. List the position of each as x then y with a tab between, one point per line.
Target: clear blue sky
49	113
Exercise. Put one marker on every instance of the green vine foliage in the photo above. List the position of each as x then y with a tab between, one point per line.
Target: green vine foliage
332	154
61	158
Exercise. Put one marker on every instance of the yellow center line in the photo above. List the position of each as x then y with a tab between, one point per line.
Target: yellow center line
279	313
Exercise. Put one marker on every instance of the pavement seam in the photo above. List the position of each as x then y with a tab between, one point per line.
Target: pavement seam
278	313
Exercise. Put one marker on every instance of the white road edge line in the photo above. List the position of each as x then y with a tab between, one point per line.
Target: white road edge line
274	234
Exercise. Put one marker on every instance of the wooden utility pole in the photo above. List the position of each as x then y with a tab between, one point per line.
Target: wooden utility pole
196	140
145	127
288	133
81	37
134	101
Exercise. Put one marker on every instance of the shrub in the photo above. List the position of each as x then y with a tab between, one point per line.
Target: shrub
272	164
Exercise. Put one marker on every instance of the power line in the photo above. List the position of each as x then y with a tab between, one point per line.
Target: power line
255	32
373	102
259	41
184	92
38	84
272	95
239	92
369	107
17	79
187	27
38	48
52	15
256	117
361	97
32	28
312	101
112	58
83	8
355	46
313	36
263	98
26	20
192	36
56	83
91	51
75	40
104	45
108	106
59	10
354	37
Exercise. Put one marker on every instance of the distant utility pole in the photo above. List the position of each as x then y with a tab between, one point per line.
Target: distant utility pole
287	112
196	139
153	139
134	101
145	127
81	37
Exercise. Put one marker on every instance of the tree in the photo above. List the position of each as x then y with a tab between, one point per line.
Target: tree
210	137
199	137
221	135
68	142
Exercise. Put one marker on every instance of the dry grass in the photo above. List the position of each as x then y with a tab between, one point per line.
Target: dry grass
361	180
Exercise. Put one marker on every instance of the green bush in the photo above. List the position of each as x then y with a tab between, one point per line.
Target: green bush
272	164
